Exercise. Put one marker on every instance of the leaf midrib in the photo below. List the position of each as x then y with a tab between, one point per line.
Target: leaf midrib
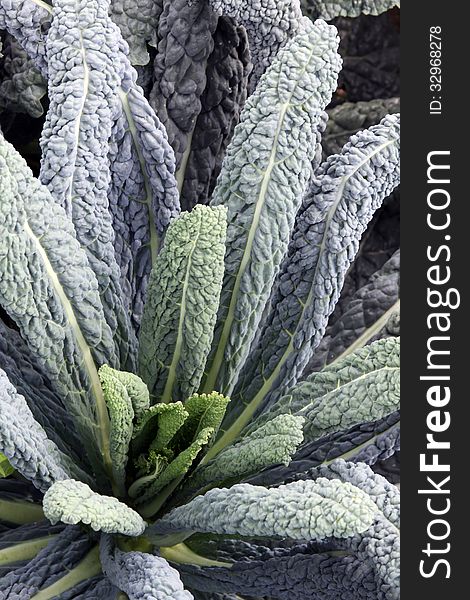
103	423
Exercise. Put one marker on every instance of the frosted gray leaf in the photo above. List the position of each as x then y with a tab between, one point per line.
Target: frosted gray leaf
74	143
262	183
342	199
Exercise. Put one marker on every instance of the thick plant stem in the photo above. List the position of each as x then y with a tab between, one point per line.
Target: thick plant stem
20	513
24	550
181	554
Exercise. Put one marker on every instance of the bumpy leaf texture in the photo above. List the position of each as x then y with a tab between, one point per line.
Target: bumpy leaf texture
25	374
367	443
381	542
183	299
264	176
26	445
347	119
371	54
269	25
300	511
185	31
300	574
22	543
228	67
370	313
143	196
25	20
344	194
137	20
22	86
57	561
329	9
58	309
272	443
121	415
363	386
141	576
72	502
83	78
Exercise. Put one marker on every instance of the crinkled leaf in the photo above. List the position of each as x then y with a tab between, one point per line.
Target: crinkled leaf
269	24
59	561
314	575
136	389
22	86
300	511
349	118
363	386
25	374
74	143
137	20
272	443
264	176
366	442
73	502
176	470
157	426
141	576
143	196
26	445
183	298
204	410
371	312
24	20
52	295
185	33
329	9
223	98
344	194
121	415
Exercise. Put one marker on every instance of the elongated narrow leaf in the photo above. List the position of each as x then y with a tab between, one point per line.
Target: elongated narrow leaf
344	195
224	96
137	21
364	386
269	25
24	443
25	373
52	295
73	502
299	575
262	182
367	442
121	415
371	312
183	299
74	143
301	511
329	9
143	196
185	32
136	573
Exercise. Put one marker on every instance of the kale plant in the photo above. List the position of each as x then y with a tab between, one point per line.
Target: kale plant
189	405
